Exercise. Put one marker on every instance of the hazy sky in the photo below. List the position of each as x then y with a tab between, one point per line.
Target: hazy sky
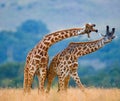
59	14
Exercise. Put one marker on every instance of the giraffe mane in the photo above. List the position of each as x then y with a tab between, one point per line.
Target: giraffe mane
72	43
63	31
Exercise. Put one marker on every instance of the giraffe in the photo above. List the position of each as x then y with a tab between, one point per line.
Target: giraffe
37	59
65	64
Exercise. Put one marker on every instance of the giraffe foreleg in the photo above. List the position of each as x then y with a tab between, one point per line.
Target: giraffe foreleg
31	73
42	77
60	84
75	76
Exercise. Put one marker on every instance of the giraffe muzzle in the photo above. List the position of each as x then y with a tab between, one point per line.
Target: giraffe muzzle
94	25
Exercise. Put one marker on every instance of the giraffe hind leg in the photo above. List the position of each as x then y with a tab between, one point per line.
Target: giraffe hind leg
38	76
50	77
63	80
66	82
41	78
31	74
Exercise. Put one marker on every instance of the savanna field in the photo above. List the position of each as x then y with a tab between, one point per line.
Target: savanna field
73	94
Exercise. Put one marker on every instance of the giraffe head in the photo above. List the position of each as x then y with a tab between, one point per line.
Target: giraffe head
109	36
89	28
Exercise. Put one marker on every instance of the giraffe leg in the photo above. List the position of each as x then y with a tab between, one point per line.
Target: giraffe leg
60	84
75	76
30	80
42	77
31	74
50	77
25	79
61	79
66	82
38	76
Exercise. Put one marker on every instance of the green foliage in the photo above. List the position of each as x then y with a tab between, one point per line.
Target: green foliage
11	74
107	77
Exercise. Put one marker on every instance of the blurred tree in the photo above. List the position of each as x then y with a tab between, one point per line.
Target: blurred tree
14	46
34	27
11	73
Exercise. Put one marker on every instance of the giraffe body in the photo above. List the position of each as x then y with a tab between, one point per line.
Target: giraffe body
65	64
37	59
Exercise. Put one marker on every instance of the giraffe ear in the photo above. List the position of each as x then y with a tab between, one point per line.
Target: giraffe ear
107	30
86	25
113	30
93	25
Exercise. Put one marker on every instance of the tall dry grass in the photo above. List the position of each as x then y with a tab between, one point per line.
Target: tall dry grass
73	94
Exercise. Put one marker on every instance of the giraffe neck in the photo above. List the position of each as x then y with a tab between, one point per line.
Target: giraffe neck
60	35
83	48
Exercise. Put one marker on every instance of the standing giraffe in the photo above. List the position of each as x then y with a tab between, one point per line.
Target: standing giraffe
37	59
65	63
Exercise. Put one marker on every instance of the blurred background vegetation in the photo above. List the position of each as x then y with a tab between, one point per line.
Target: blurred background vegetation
24	23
